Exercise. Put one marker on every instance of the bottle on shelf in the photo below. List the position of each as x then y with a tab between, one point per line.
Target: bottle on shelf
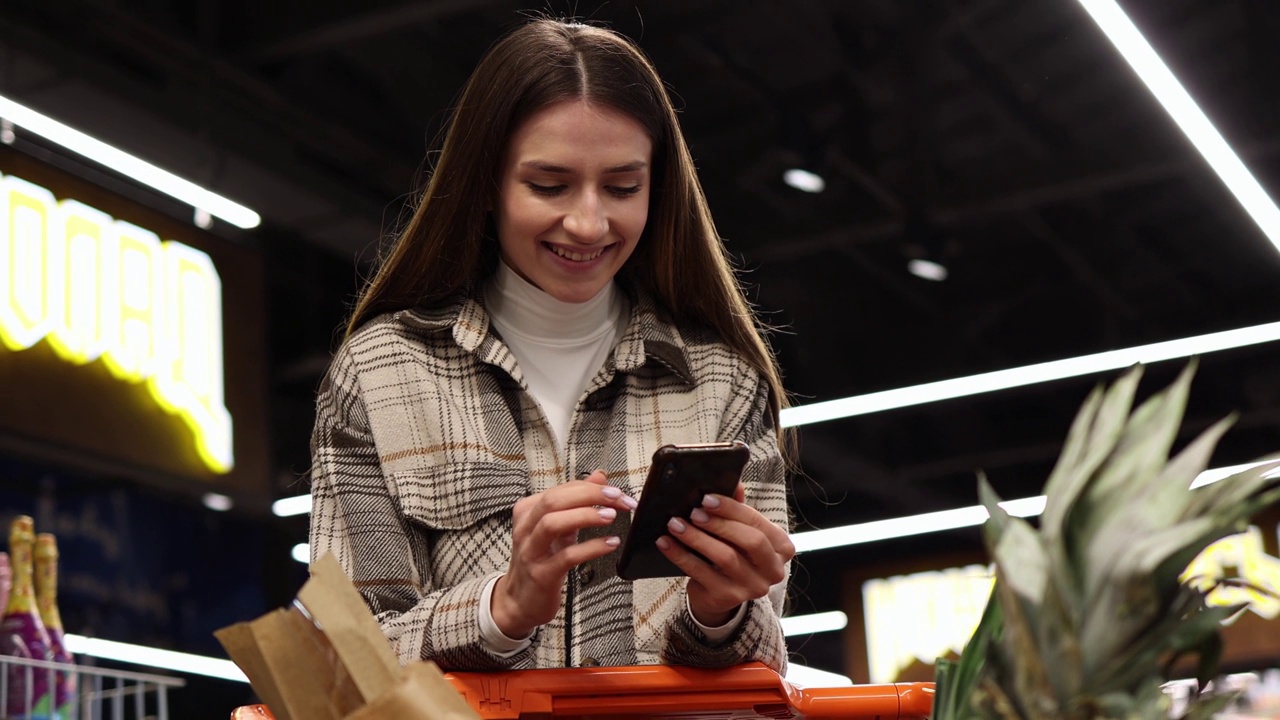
46	582
22	632
6	579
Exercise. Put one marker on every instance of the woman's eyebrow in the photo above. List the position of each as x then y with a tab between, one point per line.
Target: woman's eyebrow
547	167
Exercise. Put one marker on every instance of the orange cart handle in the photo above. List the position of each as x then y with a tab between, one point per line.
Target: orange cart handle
655	691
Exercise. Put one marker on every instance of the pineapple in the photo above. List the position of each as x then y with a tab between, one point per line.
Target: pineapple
1088	613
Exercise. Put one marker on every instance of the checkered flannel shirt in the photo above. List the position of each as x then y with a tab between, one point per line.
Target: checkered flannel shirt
426	436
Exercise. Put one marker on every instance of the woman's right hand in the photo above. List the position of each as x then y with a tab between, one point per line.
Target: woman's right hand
545	547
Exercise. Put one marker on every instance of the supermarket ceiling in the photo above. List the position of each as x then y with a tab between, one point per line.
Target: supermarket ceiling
1006	140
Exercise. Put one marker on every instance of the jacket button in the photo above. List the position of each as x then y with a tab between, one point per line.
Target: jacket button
590	662
586	574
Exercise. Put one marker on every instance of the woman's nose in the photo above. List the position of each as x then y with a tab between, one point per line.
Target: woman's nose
586	220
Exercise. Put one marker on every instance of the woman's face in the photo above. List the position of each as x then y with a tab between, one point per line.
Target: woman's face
573	197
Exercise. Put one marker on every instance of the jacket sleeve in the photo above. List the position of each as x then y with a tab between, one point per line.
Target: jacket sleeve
355	517
759	636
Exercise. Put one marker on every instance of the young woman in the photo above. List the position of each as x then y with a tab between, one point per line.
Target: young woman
557	308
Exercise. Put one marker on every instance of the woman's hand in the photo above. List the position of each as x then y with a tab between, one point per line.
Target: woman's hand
545	547
748	554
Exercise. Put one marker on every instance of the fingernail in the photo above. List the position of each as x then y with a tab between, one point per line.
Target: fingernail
663	543
699	515
613	541
607	513
611	492
710	501
677	525
629	502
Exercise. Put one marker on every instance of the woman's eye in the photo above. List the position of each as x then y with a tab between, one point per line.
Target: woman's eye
625	191
549	190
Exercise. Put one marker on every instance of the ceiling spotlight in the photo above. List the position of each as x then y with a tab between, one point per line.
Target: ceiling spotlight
927	269
804	180
302	553
217	502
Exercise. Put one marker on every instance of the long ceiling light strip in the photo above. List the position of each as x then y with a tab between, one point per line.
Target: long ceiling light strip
950	519
155	658
1184	111
129	165
815	623
1028	375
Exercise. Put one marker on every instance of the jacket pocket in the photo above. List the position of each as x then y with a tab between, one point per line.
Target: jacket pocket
455	496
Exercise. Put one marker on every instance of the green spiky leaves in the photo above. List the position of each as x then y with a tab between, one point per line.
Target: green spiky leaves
1088	610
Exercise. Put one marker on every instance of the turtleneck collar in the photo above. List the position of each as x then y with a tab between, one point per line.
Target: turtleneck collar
517	307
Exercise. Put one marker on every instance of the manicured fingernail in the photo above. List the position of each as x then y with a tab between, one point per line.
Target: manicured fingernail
613	541
710	501
699	515
677	525
607	513
630	502
611	492
663	543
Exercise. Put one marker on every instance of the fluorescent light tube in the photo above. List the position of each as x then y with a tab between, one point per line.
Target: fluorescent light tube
155	657
815	623
1184	111
302	553
129	165
217	502
804	180
811	677
296	505
1028	375
952	519
910	525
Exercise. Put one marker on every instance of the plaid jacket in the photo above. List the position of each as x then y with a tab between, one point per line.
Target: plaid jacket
426	436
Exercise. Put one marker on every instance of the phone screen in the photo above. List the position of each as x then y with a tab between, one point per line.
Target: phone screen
678	478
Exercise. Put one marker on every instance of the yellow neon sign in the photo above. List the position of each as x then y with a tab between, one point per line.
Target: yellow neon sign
102	289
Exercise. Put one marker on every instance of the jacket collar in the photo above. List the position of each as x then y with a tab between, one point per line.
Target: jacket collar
650	334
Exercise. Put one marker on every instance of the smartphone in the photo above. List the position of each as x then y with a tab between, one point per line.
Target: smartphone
678	478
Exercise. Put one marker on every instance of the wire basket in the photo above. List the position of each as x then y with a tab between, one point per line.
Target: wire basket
97	693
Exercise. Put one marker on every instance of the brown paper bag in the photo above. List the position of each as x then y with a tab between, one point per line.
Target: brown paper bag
290	666
351	629
325	658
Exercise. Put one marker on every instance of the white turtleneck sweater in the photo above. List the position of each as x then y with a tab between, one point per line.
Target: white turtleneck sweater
559	347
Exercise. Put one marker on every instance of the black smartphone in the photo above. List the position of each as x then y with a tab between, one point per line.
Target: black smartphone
678	478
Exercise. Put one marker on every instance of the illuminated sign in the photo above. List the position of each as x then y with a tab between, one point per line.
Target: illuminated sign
1242	557
97	288
923	616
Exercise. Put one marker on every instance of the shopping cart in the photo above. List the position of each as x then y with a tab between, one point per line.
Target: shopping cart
100	694
745	692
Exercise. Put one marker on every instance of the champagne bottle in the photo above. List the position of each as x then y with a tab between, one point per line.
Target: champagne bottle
22	632
46	581
6	579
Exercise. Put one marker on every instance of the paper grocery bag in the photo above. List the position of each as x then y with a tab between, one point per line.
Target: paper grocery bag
325	658
290	665
339	611
422	693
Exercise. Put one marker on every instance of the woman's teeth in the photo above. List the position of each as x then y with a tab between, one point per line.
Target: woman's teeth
576	257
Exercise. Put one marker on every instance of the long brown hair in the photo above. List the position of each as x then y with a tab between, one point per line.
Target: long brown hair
446	247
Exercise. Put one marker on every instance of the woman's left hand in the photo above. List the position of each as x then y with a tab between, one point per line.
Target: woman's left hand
748	554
